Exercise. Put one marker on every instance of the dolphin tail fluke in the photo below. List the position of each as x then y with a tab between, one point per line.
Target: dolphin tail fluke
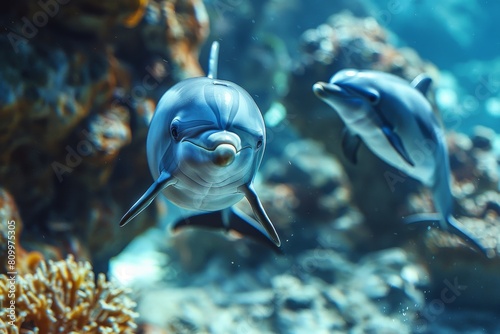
454	226
164	180
259	212
229	219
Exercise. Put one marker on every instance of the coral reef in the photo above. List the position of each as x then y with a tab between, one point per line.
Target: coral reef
78	85
63	297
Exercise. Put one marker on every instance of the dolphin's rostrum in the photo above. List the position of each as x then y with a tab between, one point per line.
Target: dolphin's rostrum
205	143
395	120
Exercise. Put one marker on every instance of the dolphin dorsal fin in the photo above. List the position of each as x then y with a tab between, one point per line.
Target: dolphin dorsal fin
213	61
422	83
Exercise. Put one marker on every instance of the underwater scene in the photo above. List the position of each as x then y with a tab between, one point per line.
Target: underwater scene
249	167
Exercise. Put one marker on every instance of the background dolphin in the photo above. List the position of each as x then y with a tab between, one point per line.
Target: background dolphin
205	143
395	120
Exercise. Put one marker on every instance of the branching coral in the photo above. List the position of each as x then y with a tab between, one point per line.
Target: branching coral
63	297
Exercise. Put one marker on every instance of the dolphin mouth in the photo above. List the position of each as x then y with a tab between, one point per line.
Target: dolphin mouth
325	90
335	92
222	155
212	149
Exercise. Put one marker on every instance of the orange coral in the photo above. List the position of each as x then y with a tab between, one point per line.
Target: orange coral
62	297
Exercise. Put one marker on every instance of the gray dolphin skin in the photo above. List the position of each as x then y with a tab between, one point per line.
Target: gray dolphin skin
205	144
396	122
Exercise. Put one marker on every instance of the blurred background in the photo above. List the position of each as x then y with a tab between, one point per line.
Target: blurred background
79	83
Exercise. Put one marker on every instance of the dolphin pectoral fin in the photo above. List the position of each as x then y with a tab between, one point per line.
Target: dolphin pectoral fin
423	218
427	129
229	219
259	212
454	226
397	144
163	181
350	145
422	83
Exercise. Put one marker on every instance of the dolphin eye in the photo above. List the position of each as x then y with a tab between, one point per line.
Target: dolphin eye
372	95
174	131
259	143
373	98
